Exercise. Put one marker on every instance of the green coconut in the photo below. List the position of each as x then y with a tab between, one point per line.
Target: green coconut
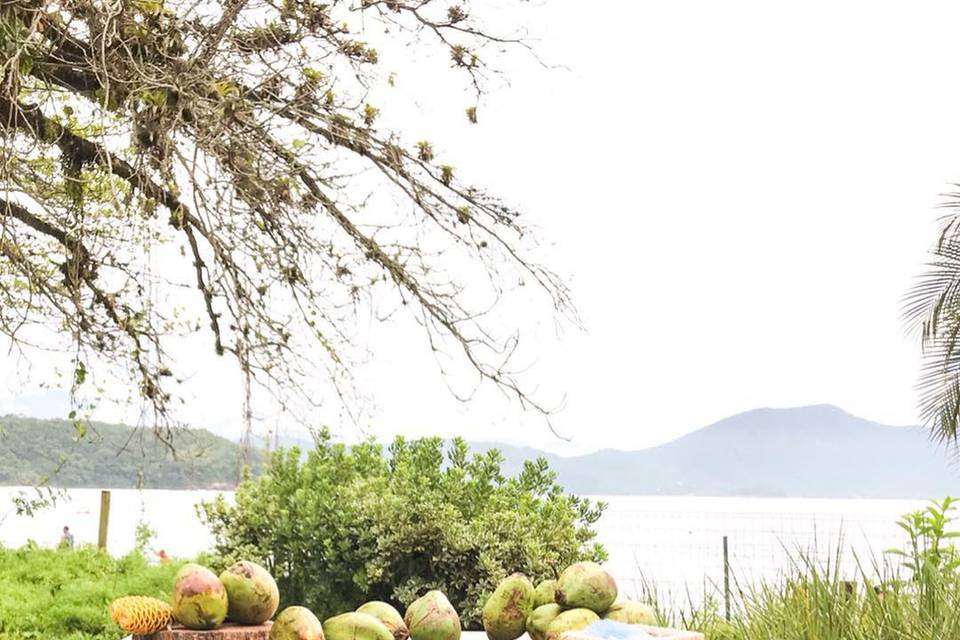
296	623
252	593
540	619
199	599
631	612
432	617
389	616
586	585
506	611
545	593
571	620
355	626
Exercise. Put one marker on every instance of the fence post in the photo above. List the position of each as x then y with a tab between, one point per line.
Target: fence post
726	579
104	519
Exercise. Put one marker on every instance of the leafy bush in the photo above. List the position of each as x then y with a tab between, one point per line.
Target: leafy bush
64	593
350	524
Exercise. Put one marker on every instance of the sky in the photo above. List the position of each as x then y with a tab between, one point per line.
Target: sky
739	195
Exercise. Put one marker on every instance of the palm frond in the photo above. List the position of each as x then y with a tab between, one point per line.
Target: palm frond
932	312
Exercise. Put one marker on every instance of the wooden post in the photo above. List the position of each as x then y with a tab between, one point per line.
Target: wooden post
104	519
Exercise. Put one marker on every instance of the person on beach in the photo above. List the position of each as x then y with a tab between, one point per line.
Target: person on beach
66	539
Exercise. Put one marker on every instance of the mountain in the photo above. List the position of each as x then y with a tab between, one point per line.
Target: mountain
114	456
817	451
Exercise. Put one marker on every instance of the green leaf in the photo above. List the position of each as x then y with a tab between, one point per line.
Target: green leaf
79	373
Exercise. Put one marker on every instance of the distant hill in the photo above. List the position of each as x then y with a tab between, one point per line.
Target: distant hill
818	451
113	456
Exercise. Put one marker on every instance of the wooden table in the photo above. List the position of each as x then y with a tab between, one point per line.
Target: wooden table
226	631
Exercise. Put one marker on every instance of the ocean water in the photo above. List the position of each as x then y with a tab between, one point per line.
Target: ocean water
673	543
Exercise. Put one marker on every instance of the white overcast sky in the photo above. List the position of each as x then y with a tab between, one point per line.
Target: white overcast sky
739	194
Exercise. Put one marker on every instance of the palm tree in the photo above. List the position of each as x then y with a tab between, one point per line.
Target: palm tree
932	310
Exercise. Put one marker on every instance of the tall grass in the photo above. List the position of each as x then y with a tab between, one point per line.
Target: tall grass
902	595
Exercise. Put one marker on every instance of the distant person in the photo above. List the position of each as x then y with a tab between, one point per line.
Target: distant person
66	539
162	555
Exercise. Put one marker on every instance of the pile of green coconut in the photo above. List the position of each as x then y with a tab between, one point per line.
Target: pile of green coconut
247	594
583	594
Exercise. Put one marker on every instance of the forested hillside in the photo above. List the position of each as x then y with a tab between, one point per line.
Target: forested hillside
113	456
819	451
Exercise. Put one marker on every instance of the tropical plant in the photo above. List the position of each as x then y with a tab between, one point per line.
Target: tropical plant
932	311
930	556
350	524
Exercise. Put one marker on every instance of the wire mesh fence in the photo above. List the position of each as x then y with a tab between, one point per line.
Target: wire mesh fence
676	545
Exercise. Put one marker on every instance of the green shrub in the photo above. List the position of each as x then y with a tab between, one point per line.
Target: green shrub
350	524
64	593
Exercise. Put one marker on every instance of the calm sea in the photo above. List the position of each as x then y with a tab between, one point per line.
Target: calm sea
675	543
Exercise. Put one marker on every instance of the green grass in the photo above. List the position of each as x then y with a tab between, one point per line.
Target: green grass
64	594
817	605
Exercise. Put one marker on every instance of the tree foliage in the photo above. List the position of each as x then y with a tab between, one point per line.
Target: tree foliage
170	167
349	525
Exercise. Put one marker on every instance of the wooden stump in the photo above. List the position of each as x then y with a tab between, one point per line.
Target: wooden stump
223	632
